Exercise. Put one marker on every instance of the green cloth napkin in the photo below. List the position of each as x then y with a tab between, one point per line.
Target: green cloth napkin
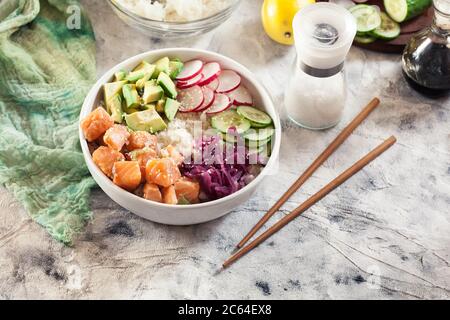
46	70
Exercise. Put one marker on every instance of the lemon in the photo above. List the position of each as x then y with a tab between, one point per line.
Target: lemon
277	17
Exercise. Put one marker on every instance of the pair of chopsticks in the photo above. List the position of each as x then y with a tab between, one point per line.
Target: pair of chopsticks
347	174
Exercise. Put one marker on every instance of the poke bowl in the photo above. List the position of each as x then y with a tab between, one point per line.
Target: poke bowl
155	19
179	176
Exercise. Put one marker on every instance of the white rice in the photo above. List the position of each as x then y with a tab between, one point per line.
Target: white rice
183	131
175	10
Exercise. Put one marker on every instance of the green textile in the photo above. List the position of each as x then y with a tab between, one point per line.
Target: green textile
46	70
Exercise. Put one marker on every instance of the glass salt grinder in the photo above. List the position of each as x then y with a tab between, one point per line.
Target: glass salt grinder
316	93
426	59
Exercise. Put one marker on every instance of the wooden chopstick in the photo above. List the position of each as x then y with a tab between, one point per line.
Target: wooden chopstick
347	174
313	167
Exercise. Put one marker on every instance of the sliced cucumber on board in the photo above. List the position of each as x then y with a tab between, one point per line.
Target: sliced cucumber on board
365	39
403	10
388	30
367	17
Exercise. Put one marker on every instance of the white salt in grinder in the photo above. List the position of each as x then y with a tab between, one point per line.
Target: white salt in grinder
316	94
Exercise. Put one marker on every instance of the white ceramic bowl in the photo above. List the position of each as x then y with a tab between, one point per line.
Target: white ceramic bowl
189	214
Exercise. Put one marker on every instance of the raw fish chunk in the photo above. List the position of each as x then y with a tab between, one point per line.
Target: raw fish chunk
163	172
171	152
143	156
152	192
96	124
187	189
127	175
105	158
116	137
169	195
141	140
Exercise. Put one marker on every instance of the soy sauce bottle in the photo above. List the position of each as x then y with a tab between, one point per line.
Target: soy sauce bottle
426	59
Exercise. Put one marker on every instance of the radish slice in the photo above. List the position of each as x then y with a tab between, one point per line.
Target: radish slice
221	103
210	72
209	99
347	4
241	97
190	83
190	70
190	98
228	81
213	85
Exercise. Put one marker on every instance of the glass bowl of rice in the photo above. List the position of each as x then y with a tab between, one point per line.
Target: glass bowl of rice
174	18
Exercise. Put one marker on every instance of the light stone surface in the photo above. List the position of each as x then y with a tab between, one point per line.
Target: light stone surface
382	235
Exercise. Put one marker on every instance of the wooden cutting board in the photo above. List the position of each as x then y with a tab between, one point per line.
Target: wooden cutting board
409	28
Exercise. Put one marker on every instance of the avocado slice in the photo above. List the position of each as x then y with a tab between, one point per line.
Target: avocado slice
160	105
131	110
119	76
175	68
135	76
152	92
111	89
148	120
171	108
140	84
150	107
148	69
114	107
183	201
131	96
144	71
167	84
141	65
162	65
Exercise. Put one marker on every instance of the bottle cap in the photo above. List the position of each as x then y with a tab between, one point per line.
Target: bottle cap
323	34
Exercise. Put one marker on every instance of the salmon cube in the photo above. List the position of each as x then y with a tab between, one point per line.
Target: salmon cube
163	172
187	189
105	158
142	156
127	175
171	152
116	137
96	124
141	140
169	195
152	192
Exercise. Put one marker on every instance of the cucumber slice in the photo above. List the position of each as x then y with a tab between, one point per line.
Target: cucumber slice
364	39
258	125
388	30
254	115
403	10
367	17
229	119
230	138
259	134
362	34
257	144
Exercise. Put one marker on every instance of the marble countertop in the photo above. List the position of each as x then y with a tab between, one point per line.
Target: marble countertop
382	235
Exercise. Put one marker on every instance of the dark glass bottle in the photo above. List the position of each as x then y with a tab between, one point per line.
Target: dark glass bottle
426	59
